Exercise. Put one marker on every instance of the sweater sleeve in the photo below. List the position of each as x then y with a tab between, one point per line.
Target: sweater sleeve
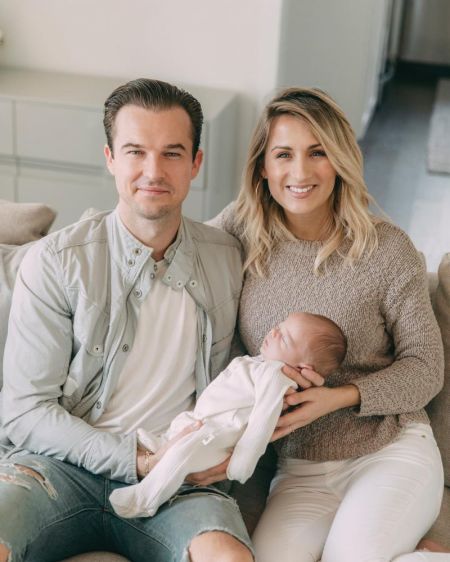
416	374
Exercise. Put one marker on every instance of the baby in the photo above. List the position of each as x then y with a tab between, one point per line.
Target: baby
238	410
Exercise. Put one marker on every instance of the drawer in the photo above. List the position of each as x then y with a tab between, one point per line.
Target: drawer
6	127
60	134
69	194
7	183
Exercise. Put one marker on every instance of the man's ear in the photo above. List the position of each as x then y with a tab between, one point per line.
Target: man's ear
197	162
109	159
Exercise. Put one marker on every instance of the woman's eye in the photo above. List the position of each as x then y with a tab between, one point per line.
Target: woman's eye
318	153
283	155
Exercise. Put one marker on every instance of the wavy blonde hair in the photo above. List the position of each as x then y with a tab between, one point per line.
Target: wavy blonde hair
262	219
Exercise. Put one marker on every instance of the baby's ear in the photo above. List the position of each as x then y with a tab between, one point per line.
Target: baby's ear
301	366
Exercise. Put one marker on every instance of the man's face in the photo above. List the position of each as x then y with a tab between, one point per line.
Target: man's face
152	162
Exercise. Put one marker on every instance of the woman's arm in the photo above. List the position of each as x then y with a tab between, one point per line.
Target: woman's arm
313	403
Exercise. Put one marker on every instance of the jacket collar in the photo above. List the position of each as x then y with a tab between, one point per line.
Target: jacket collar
130	255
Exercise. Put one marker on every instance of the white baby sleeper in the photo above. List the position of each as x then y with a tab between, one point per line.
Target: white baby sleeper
239	411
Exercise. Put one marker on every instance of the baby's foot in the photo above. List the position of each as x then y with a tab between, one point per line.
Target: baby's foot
431	546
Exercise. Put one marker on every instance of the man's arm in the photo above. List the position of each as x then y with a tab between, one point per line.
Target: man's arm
37	358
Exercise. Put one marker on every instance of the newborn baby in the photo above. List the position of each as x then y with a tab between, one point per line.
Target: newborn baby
238	410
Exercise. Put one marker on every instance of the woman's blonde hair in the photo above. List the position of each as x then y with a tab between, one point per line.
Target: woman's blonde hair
262	219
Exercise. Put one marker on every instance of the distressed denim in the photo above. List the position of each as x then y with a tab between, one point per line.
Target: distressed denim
51	510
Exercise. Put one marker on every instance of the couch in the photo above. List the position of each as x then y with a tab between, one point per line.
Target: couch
20	224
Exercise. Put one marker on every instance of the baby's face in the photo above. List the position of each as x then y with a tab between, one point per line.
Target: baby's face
284	342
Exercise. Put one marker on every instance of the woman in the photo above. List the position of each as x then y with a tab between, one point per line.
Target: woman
359	474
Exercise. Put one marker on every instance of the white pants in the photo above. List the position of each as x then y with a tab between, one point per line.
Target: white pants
374	508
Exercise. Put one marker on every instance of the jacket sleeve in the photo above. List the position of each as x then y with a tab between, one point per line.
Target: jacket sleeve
270	385
36	364
416	374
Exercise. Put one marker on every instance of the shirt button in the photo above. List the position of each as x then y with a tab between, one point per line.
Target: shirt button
179	284
98	405
152	275
125	347
98	348
138	293
137	251
204	338
130	262
155	267
193	283
169	278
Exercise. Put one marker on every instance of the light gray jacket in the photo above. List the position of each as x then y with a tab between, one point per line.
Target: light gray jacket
69	332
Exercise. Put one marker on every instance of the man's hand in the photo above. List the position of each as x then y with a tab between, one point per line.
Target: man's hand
313	403
210	476
145	463
303	375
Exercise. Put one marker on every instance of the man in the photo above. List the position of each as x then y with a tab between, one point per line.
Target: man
117	322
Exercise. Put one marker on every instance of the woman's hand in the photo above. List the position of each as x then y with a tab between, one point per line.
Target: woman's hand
304	376
311	404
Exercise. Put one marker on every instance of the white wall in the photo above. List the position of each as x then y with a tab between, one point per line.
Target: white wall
336	46
251	46
231	44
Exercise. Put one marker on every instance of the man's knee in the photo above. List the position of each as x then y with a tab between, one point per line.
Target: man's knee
220	547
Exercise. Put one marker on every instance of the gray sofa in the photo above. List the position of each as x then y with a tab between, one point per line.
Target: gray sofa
19	224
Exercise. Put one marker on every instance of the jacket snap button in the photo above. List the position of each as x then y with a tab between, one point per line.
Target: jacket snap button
138	293
137	251
98	405
125	347
130	262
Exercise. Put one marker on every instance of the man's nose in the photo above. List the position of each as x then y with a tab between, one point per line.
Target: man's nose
153	166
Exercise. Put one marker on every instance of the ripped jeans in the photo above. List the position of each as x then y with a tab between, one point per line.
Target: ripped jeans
51	510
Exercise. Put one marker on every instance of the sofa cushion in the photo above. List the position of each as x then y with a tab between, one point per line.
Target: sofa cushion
22	222
439	408
10	259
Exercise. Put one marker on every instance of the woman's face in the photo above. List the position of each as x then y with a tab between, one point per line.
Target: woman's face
301	178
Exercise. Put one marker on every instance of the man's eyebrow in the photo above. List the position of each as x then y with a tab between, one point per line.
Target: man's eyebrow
131	145
178	145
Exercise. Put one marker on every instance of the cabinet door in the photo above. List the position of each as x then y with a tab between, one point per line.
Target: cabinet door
69	194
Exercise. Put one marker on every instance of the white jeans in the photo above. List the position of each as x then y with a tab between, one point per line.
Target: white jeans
374	508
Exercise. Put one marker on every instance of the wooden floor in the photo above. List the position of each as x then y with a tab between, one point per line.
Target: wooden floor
395	151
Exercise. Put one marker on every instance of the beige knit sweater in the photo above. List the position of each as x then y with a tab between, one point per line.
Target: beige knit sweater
394	356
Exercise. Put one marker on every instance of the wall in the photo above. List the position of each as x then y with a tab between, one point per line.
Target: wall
251	46
336	46
228	43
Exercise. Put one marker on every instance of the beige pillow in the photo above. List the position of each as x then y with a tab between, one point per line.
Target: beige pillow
23	222
439	409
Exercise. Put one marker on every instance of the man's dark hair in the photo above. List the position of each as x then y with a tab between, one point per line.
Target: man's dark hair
155	95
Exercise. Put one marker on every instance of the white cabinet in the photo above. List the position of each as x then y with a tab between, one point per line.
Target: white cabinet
52	138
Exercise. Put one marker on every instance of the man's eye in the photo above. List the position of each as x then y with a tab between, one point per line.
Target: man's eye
173	154
135	152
